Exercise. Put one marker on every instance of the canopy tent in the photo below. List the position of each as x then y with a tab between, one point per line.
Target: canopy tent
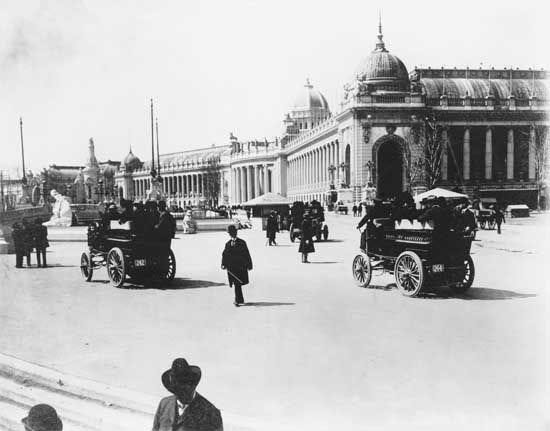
268	200
439	192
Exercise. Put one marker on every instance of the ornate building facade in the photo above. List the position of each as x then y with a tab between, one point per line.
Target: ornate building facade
482	130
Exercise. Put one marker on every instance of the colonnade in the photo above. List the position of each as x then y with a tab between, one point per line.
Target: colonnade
176	185
488	172
250	181
311	169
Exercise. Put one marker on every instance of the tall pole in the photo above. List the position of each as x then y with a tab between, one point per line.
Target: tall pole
153	174
22	149
158	154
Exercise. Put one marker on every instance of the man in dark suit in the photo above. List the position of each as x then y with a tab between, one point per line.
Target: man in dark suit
165	229
237	261
186	410
40	237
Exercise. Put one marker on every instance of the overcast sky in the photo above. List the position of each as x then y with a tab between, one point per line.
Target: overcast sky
75	69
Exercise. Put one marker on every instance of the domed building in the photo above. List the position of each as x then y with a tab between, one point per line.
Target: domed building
310	108
394	131
131	162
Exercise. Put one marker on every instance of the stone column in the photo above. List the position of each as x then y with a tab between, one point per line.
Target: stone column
510	155
242	193
489	153
444	155
266	179
466	155
532	153
257	190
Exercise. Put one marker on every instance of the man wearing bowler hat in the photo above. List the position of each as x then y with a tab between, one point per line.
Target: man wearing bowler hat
186	410
237	261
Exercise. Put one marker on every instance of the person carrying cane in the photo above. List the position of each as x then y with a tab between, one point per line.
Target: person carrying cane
237	261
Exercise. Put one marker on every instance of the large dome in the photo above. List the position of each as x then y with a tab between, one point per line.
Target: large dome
383	71
131	162
309	98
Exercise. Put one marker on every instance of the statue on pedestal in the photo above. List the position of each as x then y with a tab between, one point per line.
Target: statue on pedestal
62	213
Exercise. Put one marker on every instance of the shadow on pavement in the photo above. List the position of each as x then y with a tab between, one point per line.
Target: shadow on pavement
325	262
390	286
266	304
176	284
477	294
329	240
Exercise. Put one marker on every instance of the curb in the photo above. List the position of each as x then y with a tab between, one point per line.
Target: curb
86	404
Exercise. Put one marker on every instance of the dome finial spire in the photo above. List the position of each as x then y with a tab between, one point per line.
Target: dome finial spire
380	45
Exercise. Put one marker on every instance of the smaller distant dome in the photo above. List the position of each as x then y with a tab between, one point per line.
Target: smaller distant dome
131	162
109	171
309	98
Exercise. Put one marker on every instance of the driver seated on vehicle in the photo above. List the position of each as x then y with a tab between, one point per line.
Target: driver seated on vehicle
372	231
440	216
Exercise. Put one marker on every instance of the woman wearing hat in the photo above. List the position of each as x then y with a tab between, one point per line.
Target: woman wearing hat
272	228
185	410
237	261
306	240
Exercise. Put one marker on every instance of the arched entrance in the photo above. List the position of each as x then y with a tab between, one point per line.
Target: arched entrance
388	152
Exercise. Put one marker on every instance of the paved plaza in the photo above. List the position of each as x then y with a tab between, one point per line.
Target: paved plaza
310	350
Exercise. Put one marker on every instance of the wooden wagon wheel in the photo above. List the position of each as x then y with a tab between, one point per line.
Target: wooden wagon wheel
116	267
482	224
491	224
86	266
467	278
170	267
361	270
409	273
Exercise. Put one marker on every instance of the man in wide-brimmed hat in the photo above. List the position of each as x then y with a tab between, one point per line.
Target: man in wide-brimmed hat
186	410
42	417
237	261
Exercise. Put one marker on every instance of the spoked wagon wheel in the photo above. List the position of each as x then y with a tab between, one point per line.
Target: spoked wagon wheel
86	267
482	224
362	271
291	232
409	273
170	267
492	224
468	277
116	268
325	233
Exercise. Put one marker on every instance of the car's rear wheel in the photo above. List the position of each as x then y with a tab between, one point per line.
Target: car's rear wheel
361	270
468	276
409	273
116	267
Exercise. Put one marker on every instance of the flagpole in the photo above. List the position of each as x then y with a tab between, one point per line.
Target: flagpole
153	174
22	149
158	153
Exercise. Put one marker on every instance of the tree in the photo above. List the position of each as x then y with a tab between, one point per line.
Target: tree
538	139
425	150
212	177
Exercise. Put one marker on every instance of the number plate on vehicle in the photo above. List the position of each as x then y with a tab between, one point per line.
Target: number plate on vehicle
139	262
438	267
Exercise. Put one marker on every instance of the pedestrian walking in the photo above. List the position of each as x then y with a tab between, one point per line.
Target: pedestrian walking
42	417
237	261
499	218
306	239
186	409
40	242
272	228
354	209
360	210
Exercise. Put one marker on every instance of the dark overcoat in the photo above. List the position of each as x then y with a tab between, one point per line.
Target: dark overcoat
40	237
272	227
236	259
306	239
200	415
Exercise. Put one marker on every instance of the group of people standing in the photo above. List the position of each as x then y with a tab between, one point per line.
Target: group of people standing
27	238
